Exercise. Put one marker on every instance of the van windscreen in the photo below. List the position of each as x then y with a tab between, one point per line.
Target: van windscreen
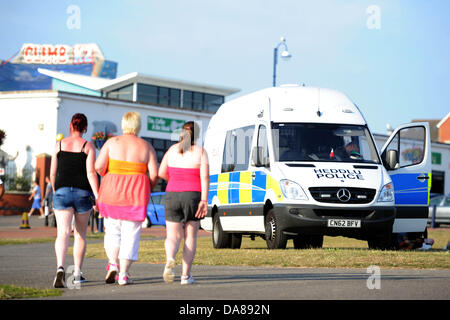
323	142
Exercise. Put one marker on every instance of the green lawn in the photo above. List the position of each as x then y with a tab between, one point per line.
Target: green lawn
337	252
15	292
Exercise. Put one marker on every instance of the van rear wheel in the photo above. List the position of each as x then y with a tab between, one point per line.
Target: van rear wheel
275	238
236	240
221	239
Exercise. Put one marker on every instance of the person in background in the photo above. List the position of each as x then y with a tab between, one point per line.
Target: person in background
2	188
100	223
36	196
352	151
129	169
75	188
47	202
185	167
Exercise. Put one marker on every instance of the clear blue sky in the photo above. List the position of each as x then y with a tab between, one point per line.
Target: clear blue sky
396	73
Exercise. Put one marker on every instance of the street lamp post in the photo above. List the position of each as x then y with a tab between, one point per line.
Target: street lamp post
285	55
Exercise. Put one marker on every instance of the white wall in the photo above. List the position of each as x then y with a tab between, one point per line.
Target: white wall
21	115
30	124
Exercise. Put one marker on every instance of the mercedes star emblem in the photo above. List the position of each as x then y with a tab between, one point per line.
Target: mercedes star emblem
344	195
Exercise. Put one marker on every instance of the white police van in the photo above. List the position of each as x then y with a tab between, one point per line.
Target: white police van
295	162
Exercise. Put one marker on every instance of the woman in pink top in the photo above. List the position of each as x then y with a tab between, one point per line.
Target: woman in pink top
185	167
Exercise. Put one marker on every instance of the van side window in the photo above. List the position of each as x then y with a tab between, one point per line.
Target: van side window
262	141
410	146
236	152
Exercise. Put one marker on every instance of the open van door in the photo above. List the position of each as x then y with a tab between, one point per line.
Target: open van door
407	158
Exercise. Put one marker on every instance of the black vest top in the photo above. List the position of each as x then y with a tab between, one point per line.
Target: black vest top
71	171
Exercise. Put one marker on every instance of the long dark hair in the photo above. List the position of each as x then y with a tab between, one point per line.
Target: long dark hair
189	133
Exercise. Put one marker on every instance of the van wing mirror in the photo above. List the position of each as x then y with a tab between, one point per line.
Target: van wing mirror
258	160
391	159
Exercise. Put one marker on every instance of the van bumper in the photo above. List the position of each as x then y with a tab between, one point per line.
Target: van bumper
295	220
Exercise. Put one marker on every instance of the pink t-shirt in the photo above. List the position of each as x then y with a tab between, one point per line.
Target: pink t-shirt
184	179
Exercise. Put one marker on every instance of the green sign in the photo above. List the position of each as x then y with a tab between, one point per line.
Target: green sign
163	124
436	158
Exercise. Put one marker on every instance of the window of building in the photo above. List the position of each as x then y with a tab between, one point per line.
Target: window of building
163	96
187	99
175	95
124	93
197	101
147	93
169	97
202	101
158	95
213	102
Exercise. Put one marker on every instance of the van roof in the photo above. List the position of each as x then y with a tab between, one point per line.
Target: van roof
291	103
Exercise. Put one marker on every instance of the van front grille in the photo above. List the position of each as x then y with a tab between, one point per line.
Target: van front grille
342	195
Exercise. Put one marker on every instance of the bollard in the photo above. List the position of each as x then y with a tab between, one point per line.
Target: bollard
433	217
25	222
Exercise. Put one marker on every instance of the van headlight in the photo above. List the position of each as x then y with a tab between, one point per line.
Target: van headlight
292	190
387	193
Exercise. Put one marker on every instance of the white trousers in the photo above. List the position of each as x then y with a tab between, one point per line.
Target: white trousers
123	234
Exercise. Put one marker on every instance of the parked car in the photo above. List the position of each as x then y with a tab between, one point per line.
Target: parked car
155	209
442	204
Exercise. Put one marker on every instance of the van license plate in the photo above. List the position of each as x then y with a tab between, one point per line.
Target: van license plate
344	223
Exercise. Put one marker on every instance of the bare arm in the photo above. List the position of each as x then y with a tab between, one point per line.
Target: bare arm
54	166
90	169
204	175
204	180
32	194
2	190
152	167
163	173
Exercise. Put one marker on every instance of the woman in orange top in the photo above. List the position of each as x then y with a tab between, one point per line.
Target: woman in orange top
124	162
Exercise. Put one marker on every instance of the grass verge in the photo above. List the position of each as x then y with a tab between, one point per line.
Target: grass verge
4	242
89	236
15	292
337	252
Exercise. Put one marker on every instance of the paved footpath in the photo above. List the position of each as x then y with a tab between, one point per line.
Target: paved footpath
33	265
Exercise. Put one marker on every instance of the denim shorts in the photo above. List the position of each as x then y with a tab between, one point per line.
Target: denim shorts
78	199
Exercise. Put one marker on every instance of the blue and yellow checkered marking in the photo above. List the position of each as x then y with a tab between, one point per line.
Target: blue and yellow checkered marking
242	187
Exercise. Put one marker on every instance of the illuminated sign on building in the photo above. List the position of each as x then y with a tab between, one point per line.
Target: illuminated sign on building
59	54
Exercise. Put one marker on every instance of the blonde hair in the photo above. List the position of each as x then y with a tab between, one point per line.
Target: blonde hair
131	123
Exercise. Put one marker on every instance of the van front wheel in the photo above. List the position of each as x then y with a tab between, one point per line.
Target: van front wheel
275	238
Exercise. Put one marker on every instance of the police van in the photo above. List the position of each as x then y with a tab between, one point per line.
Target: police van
296	162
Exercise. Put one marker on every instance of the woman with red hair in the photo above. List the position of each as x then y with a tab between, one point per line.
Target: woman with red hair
75	185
